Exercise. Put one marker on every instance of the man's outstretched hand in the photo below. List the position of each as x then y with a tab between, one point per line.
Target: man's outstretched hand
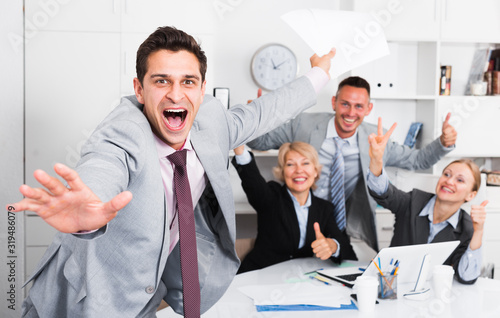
324	61
68	209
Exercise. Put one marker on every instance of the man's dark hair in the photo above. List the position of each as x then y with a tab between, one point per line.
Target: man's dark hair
171	39
355	81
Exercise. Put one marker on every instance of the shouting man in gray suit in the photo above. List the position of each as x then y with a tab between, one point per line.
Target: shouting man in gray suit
117	253
351	104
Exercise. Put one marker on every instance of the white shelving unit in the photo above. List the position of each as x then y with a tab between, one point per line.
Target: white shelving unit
423	36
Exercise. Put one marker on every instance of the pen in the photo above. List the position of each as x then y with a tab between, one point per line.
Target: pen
321	279
382	274
394	269
314	271
381	282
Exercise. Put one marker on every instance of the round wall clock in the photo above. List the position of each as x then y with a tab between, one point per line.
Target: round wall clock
273	65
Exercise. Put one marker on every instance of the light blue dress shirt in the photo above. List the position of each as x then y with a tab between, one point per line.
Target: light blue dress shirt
352	163
469	267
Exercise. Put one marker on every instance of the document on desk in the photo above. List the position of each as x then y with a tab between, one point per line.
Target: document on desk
298	296
357	36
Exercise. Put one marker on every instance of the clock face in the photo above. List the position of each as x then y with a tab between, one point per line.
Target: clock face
273	66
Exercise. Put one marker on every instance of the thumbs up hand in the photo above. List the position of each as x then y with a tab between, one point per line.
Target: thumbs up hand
449	134
323	247
478	215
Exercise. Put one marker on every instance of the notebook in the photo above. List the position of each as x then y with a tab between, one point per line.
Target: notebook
410	258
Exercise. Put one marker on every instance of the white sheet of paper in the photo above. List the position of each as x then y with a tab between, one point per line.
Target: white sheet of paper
357	36
303	293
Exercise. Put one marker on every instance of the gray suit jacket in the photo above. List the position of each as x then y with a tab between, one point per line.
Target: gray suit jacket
312	127
124	269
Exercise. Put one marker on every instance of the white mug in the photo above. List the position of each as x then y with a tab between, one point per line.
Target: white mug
442	280
366	288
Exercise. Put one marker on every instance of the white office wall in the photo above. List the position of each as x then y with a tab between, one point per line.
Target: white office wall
11	157
251	24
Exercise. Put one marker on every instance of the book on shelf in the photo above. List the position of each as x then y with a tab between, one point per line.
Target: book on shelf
480	65
445	80
494	72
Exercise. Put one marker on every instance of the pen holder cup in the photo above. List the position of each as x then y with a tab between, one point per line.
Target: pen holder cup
388	286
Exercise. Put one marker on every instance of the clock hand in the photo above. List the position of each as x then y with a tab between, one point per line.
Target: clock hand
277	66
274	66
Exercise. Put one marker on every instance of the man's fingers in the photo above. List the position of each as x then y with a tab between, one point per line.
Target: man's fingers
390	131
70	175
54	185
372	139
323	62
117	203
380	129
332	53
259	92
484	203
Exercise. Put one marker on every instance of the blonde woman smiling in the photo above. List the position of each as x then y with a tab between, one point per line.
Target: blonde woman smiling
292	222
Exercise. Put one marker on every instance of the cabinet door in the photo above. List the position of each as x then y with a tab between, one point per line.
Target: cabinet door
72	83
476	122
195	16
74	15
406	20
464	21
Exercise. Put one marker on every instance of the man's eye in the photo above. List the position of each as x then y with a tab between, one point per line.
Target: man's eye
161	81
189	82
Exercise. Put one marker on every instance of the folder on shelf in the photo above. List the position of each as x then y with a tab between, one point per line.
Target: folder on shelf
413	132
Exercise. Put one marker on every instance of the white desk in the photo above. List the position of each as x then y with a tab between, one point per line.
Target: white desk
479	300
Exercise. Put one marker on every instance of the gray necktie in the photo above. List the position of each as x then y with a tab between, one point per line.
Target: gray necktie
337	196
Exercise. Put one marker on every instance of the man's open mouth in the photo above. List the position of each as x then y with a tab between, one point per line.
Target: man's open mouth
175	117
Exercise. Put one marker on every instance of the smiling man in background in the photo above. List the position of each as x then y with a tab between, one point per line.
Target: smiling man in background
345	131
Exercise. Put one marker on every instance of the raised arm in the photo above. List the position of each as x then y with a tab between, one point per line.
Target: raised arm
68	209
377	147
418	159
257	190
263	114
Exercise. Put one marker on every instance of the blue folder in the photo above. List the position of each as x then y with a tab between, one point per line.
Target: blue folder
302	307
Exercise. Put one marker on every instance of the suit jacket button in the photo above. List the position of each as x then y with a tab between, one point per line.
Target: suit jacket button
150	289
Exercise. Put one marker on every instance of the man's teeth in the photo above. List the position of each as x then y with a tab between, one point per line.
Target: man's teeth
175	116
349	120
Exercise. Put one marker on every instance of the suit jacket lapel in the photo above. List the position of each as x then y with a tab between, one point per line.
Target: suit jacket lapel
421	229
290	217
214	163
318	136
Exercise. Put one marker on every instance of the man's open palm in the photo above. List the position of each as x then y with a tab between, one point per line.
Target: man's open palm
68	209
